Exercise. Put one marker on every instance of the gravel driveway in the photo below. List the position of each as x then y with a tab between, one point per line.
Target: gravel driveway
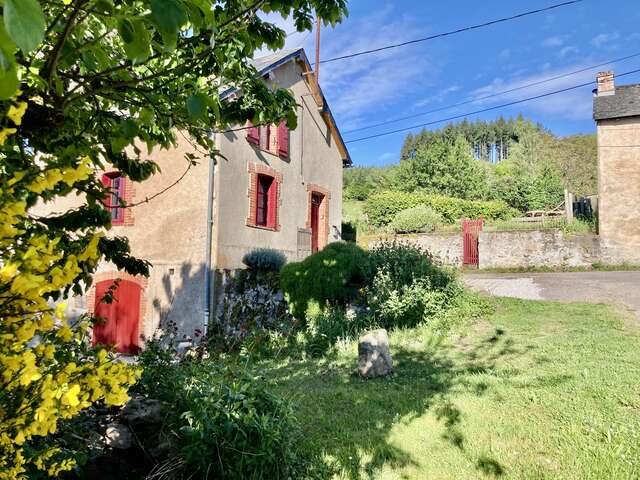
620	288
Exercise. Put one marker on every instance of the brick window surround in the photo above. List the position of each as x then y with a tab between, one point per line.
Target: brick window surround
255	171
126	192
323	221
270	138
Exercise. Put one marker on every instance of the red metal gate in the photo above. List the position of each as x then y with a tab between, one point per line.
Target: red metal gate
120	318
470	231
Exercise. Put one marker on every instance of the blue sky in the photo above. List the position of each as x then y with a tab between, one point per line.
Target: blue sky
399	82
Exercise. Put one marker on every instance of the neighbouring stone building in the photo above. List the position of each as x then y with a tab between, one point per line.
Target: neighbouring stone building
274	188
616	110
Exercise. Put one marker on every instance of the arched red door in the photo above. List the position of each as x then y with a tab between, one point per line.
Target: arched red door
121	317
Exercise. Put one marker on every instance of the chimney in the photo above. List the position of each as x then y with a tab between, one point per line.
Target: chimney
605	82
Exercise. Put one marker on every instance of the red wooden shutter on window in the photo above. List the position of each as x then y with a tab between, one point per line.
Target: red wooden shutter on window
283	139
253	134
272	209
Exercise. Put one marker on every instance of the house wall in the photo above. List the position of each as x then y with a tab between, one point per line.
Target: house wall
170	232
314	162
619	189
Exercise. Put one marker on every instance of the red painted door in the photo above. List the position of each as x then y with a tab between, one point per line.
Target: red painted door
470	231
316	200
120	318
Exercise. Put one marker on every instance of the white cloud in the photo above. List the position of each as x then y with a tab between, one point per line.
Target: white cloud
604	39
362	87
555	41
568	51
505	54
439	97
570	105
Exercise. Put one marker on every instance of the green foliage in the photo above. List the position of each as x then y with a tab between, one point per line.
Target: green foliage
334	274
222	421
360	182
111	79
443	167
326	325
265	260
531	168
416	219
382	207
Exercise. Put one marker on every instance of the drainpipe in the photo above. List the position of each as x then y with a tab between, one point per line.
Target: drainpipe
208	290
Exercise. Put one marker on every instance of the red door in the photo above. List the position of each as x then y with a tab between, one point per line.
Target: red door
316	201
470	232
120	318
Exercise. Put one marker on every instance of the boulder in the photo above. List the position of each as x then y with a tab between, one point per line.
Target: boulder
141	410
374	357
118	436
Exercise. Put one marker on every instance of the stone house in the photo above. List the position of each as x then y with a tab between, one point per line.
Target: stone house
274	188
616	110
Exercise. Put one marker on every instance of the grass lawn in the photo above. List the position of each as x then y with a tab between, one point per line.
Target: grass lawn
538	390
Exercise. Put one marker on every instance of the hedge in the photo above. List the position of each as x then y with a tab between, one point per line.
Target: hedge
381	208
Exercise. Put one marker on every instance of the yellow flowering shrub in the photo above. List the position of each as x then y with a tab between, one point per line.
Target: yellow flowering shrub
48	373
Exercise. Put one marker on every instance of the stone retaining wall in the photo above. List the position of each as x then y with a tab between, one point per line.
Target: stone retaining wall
537	248
446	248
514	249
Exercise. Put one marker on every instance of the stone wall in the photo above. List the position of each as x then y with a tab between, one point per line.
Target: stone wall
537	248
514	249
619	189
446	248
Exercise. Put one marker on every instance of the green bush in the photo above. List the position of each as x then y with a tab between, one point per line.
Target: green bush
222	421
264	260
382	207
416	219
334	274
325	326
405	287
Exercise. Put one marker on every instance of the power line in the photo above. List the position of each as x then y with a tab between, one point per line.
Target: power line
496	107
453	32
496	94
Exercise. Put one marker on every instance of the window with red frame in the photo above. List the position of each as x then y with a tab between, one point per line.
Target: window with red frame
115	183
263	137
266	201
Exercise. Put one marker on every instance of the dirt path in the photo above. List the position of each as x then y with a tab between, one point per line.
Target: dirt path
620	288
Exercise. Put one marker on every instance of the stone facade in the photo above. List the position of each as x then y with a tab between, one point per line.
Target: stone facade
170	229
314	164
617	113
537	248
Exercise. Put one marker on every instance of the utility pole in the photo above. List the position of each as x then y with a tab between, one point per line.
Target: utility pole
317	49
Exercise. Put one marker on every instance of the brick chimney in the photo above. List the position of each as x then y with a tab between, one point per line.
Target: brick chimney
605	82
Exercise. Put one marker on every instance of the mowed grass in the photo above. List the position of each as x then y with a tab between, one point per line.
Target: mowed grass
536	391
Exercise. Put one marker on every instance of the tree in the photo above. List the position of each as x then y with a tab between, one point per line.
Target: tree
80	81
445	167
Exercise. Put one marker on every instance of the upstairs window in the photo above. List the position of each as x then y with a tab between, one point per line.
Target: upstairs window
266	201
116	184
272	138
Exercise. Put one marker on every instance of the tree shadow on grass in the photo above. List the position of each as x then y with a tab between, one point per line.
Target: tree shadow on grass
349	420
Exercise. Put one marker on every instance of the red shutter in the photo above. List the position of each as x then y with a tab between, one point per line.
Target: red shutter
272	209
121	318
253	134
283	139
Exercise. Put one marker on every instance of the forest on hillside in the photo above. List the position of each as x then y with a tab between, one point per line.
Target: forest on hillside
513	160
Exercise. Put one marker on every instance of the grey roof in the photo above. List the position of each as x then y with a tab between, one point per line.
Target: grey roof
269	62
625	102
